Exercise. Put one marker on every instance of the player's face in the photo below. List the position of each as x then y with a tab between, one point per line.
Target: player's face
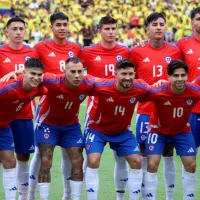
60	28
196	23
125	78
108	32
156	29
178	80
32	77
16	32
74	74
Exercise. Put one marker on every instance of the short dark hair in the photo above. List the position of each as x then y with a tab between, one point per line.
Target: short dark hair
154	16
106	20
34	62
176	64
74	60
15	19
58	15
124	63
194	12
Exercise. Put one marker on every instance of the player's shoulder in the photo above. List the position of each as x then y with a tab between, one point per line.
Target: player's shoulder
153	90
139	48
88	79
193	87
102	82
3	46
185	39
139	83
10	85
50	78
90	48
43	43
172	45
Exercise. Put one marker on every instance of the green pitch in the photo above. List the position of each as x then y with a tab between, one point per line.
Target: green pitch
107	188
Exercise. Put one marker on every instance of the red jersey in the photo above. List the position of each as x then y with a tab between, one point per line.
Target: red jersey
53	56
115	109
13	60
151	66
100	62
172	110
191	55
61	106
13	99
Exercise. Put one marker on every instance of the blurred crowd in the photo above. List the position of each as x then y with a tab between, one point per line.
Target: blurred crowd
84	16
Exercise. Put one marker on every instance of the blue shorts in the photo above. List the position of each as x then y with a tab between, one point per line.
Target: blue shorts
64	136
183	143
194	121
23	135
124	144
142	122
6	139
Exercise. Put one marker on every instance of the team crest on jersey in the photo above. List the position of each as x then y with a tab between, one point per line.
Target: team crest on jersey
132	100
27	58
46	136
119	57
143	137
81	97
71	54
189	102
168	59
151	148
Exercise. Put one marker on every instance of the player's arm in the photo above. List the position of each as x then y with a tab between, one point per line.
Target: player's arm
10	75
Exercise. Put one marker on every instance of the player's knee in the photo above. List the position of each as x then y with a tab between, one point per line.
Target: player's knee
9	162
190	167
46	162
77	161
136	163
152	166
93	162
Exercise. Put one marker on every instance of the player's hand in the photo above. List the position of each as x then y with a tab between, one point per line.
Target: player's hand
159	83
8	76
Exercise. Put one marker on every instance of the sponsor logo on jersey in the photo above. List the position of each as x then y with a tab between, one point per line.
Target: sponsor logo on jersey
110	99
52	54
81	97
191	150
7	60
60	96
132	100
119	57
27	58
189	51
168	59
167	103
71	54
146	60
80	141
189	102
16	101
98	58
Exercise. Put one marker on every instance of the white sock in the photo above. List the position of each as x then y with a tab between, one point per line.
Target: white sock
120	175
151	183
169	171
66	167
144	170
134	183
33	173
44	189
76	188
92	183
22	179
10	183
189	185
